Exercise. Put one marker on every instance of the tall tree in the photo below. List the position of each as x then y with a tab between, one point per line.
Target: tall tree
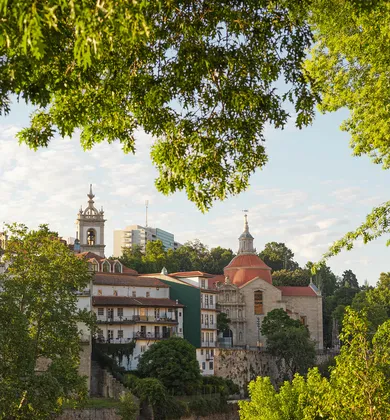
174	363
39	333
278	256
288	340
358	387
297	277
350	279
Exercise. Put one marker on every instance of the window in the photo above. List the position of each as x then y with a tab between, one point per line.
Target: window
202	318
110	312
258	302
211	319
202	337
120	333
227	297
212	353
227	312
303	319
179	313
91	237
120	311
101	311
147	294
203	284
206	319
203	365
211	336
95	266
240	336
206	300
211	365
134	293
240	313
100	334
110	334
201	352
106	267
117	268
211	300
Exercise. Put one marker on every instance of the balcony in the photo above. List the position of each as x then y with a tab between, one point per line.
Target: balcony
209	326
132	319
151	336
209	357
85	292
208	306
209	344
102	340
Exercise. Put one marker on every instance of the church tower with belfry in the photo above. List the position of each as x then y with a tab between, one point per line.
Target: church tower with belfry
90	228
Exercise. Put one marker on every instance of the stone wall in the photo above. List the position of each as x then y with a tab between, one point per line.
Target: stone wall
242	366
103	384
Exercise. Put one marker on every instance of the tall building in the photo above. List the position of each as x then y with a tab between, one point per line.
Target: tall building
139	235
90	228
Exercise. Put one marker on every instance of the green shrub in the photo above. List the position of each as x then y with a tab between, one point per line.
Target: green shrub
128	408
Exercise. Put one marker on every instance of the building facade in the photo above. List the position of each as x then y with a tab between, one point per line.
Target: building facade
134	309
139	235
247	294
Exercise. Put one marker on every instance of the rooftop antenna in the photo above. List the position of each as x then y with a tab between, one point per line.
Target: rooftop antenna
146	208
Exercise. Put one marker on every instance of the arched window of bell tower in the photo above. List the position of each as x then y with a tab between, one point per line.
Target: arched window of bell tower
91	237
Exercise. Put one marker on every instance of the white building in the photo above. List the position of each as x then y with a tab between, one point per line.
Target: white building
134	308
139	235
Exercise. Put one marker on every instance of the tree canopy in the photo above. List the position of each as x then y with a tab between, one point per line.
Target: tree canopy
173	362
193	255
289	340
39	333
200	77
278	256
358	387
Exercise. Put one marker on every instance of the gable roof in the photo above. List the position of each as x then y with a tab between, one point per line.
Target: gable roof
191	274
118	279
91	255
297	291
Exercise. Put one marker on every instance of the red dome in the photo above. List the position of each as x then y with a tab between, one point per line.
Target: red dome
245	267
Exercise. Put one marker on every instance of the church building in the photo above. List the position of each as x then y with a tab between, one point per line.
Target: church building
247	294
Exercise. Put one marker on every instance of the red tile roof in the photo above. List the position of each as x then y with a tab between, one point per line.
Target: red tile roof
220	278
191	274
248	260
297	291
116	279
245	267
137	301
91	255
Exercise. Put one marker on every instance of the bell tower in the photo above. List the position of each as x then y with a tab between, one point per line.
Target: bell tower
90	227
245	241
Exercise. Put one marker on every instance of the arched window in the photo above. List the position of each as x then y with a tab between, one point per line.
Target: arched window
117	268
240	336
258	302
91	237
106	267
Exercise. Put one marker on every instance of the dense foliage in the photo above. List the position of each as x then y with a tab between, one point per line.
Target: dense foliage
191	256
288	340
358	386
39	324
173	362
199	76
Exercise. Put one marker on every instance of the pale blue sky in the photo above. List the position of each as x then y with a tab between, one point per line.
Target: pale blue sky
309	194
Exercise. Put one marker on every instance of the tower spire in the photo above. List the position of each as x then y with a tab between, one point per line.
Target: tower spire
245	241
